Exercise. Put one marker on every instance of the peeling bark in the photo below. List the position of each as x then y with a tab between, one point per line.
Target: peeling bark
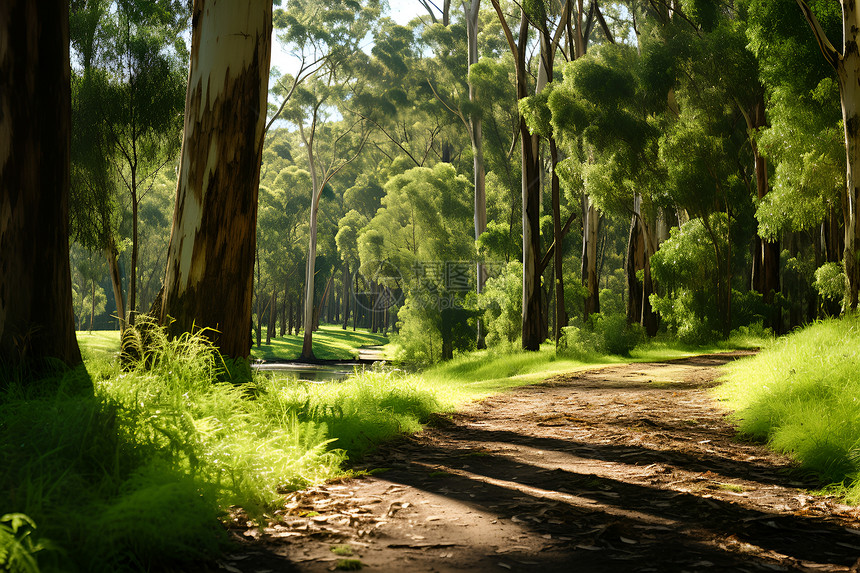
36	315
212	243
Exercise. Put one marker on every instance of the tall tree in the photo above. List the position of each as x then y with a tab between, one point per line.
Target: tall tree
532	334
476	136
326	157
36	320
210	261
846	62
127	109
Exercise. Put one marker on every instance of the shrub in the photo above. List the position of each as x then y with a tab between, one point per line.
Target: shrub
617	336
830	281
501	305
604	334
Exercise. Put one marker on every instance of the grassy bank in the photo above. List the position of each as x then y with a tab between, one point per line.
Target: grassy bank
132	470
802	395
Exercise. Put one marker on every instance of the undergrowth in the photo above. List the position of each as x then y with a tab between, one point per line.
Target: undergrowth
134	474
802	395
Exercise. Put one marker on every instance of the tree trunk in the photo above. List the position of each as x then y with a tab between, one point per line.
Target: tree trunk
257	290
210	259
310	269
36	316
472	10
590	227
347	281
558	235
132	271
273	315
640	247
848	72
283	315
93	306
116	282
847	66
531	188
290	318
765	275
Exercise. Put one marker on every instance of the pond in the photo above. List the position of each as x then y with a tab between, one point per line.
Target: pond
316	373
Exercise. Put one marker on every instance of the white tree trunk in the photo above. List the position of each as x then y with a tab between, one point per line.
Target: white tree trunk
849	88
212	243
310	269
472	10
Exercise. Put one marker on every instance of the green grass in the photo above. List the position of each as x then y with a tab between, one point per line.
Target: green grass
802	395
330	343
99	344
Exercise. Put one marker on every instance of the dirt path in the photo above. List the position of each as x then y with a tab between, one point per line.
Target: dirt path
627	468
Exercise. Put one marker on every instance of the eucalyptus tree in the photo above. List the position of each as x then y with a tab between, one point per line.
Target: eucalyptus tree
530	160
330	146
805	138
578	36
283	212
709	160
846	63
472	10
210	259
603	120
145	103
36	318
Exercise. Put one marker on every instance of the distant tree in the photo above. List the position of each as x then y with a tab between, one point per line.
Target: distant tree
417	242
212	243
127	107
36	319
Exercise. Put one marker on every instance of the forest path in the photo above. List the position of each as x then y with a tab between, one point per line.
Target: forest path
625	468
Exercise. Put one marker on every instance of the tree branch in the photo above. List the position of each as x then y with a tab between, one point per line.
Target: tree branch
831	54
448	107
602	22
548	256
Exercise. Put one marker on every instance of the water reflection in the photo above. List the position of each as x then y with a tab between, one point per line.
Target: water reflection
316	373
